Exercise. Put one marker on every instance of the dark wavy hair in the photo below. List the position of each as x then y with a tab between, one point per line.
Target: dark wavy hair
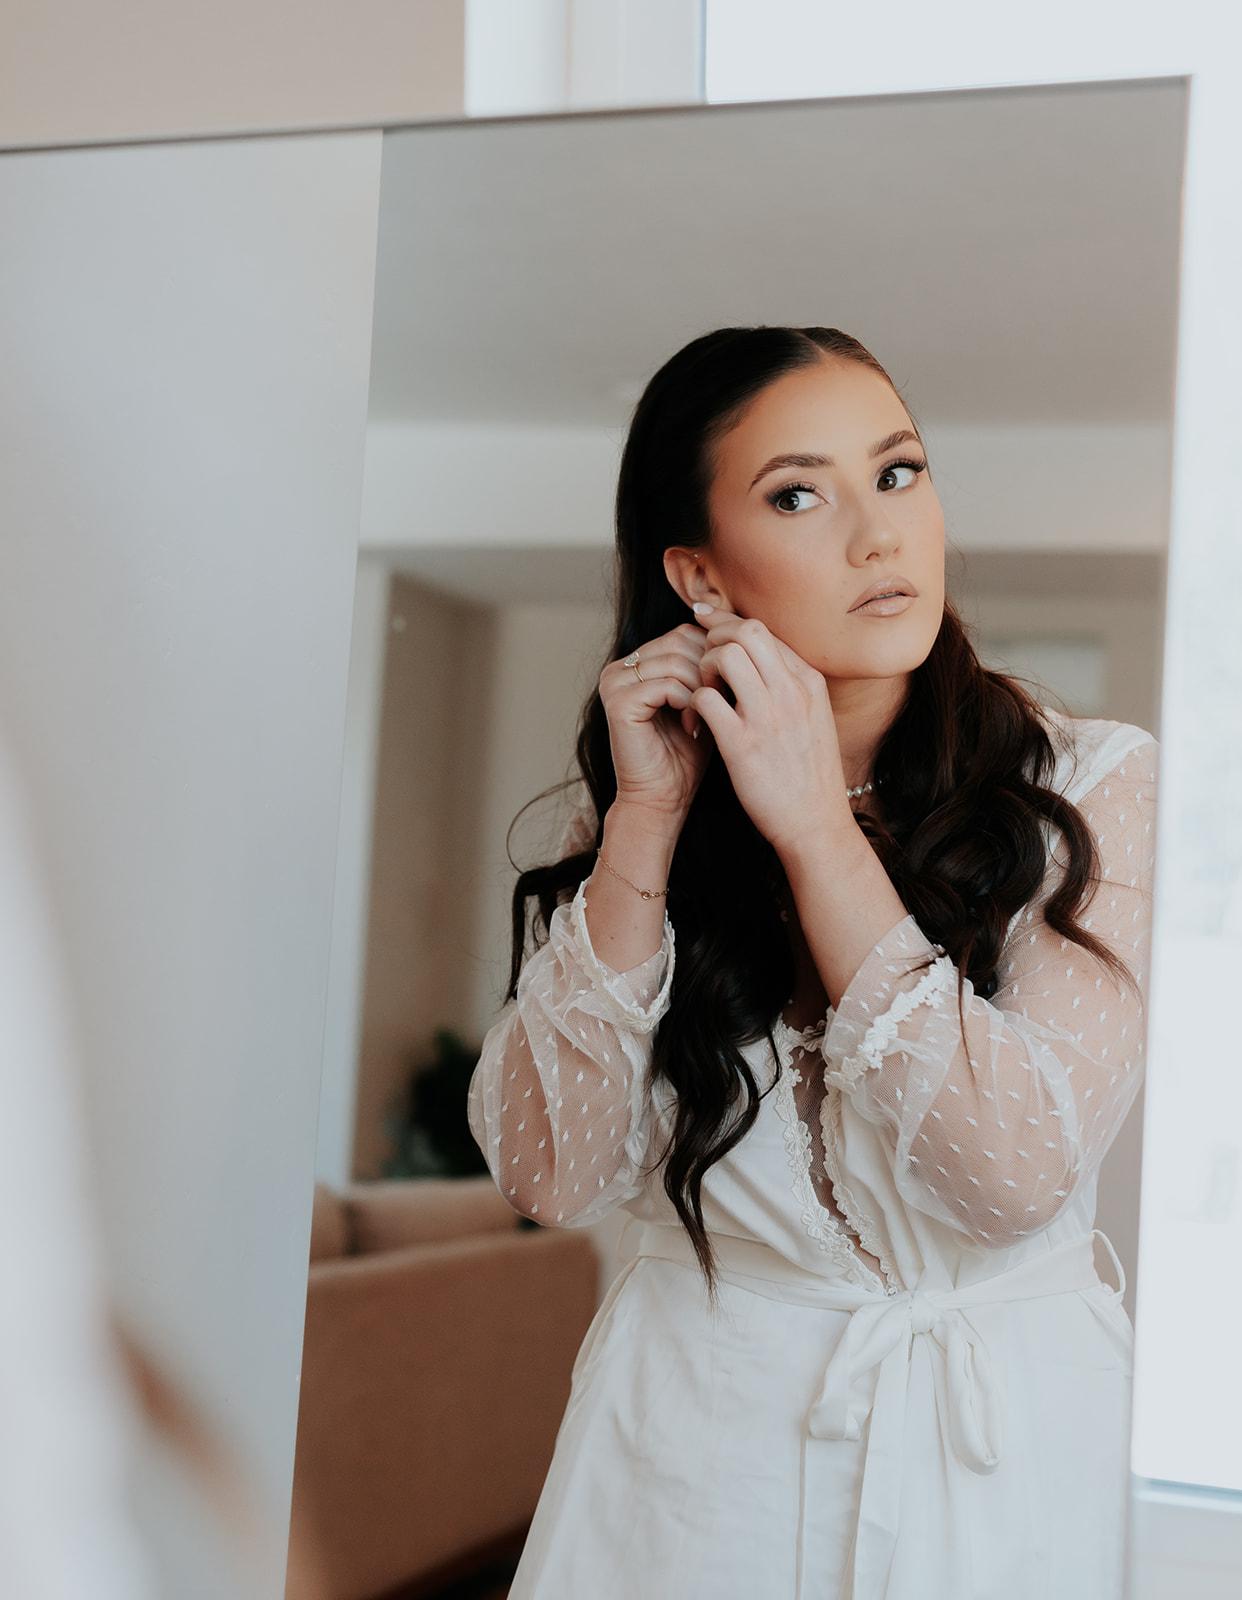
963	770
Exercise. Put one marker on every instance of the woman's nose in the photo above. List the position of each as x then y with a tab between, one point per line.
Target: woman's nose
871	535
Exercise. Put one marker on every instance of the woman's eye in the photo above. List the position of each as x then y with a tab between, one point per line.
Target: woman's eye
798	497
901	474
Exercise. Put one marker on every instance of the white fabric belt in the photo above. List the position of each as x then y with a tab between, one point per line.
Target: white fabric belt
879	1337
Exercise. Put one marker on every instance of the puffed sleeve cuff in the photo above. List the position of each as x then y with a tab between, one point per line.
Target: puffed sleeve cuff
903	972
618	1004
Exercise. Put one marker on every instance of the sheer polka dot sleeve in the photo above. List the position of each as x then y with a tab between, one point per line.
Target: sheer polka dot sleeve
993	1125
560	1100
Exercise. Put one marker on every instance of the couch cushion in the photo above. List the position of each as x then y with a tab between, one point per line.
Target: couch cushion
329	1225
397	1212
433	1382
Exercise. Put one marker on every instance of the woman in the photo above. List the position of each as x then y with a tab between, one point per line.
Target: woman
854	1086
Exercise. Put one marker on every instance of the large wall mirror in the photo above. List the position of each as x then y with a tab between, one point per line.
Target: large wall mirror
1012	258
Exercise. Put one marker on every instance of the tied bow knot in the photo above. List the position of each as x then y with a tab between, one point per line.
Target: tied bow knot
924	1318
879	1338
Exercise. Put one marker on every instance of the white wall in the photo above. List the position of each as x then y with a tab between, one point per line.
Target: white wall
794	49
546	658
530	484
185	335
544	55
1040	487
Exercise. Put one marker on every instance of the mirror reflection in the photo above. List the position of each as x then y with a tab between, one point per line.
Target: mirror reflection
825	1055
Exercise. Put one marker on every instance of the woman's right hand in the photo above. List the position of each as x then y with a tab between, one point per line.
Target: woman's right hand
660	749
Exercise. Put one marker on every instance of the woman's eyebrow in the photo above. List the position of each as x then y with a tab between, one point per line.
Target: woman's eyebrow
790	461
902	436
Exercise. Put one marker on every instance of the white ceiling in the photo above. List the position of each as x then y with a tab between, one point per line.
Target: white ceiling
1010	255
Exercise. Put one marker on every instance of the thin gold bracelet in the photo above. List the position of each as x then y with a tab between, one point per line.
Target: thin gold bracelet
647	894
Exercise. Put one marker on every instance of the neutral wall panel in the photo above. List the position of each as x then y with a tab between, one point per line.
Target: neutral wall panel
548	659
420	961
72	71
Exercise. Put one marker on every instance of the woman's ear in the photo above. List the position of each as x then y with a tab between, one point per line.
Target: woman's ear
690	575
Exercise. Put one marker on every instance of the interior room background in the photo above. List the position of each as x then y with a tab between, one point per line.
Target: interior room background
162	1089
498	408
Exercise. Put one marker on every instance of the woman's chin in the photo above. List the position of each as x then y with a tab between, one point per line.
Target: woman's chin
891	661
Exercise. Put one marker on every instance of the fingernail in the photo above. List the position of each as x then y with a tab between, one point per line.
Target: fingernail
701	608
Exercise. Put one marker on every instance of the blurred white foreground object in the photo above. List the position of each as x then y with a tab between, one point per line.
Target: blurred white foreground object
65	1426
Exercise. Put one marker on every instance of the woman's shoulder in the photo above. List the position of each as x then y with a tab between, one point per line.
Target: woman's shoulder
1089	748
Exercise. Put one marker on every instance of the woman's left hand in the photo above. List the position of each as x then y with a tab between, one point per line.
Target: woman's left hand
779	741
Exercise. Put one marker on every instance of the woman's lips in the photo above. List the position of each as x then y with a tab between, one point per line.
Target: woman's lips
884	605
887	597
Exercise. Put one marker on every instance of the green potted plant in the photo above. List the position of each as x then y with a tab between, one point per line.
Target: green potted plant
429	1129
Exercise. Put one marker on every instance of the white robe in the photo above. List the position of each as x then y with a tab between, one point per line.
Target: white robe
954	1430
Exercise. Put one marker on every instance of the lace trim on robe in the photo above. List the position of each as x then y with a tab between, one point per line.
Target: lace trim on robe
819	1222
869	1236
884	1033
627	1011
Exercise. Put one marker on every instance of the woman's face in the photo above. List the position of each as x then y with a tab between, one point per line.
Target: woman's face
825	525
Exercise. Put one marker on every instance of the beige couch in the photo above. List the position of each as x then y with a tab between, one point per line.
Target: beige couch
439	1343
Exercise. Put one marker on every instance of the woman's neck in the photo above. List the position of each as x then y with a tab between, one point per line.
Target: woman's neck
863	709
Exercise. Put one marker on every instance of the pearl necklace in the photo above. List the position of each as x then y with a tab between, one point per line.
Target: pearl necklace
854	794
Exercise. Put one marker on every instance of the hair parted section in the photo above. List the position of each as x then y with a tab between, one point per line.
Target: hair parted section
963	770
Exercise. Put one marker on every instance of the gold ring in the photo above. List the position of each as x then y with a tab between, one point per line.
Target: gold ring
632	661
